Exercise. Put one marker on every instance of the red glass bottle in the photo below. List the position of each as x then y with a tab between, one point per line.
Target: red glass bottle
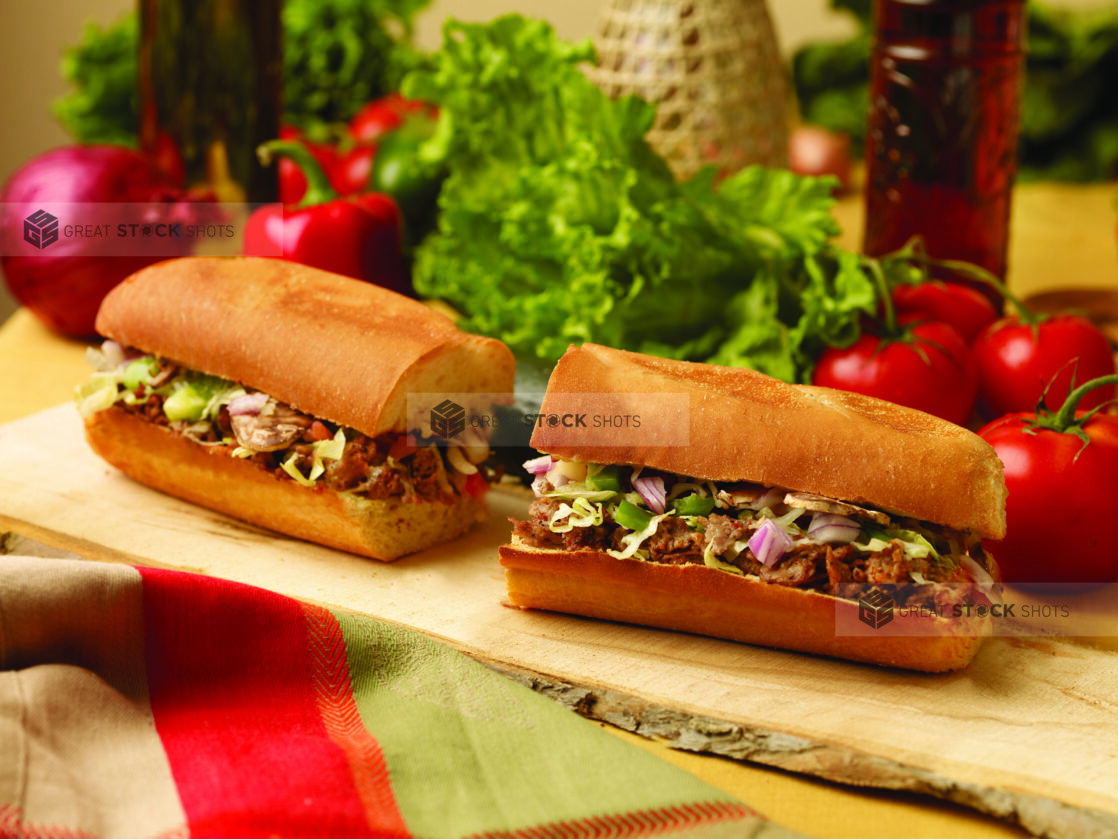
941	145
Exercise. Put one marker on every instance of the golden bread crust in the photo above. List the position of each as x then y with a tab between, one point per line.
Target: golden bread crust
210	477
706	601
746	426
331	346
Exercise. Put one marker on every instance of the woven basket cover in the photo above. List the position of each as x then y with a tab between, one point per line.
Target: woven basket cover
714	70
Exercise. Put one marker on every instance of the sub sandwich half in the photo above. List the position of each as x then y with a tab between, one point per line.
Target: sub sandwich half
787	511
278	394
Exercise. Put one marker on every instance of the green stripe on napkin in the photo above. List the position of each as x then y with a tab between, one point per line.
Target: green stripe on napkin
470	752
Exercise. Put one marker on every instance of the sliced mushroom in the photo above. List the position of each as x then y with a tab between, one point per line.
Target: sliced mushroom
166	371
741	494
458	460
265	434
820	504
279	412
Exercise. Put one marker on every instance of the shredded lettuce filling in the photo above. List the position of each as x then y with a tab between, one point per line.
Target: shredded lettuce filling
192	402
598	493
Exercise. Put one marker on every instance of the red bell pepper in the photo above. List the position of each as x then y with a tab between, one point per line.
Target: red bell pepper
350	173
359	235
384	115
292	181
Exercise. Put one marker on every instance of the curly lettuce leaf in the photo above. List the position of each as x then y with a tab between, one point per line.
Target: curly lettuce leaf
559	224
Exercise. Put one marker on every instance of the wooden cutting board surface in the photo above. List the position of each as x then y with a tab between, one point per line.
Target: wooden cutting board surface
1029	732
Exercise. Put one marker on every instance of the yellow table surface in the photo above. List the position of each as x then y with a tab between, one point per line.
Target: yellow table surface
1062	236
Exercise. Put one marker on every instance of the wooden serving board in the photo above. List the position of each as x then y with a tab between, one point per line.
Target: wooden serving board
1029	733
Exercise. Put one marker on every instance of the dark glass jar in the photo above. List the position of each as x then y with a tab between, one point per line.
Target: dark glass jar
211	91
941	146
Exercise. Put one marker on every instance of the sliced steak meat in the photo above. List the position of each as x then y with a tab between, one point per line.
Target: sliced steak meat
536	535
588	538
721	532
675	543
839	569
384	482
349	471
426	466
888	566
795	569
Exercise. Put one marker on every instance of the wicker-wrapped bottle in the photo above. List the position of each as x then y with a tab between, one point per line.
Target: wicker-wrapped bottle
714	70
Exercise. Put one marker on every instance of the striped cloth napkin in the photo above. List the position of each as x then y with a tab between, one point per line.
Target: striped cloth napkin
147	703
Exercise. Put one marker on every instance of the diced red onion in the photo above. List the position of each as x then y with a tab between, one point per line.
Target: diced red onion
981	576
250	403
539	465
834	529
771	497
540	485
769	543
651	489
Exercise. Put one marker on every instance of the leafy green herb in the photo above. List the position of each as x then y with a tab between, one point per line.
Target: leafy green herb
558	224
338	55
103	108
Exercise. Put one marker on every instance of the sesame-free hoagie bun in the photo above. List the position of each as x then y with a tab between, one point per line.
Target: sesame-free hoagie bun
781	514
383	529
746	426
335	347
278	394
704	601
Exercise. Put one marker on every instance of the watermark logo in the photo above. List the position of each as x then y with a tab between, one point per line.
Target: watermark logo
875	609
40	229
448	419
567	419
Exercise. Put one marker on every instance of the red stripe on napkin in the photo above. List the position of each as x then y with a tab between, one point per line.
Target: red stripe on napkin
231	677
339	713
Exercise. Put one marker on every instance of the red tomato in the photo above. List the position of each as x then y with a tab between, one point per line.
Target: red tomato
816	151
319	431
476	485
932	370
402	447
967	309
1062	498
1016	364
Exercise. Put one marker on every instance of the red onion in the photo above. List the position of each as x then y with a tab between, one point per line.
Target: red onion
84	188
250	403
981	576
651	489
771	497
813	150
769	543
539	465
828	527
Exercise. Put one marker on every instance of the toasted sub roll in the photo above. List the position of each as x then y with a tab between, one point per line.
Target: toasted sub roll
278	394
791	518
